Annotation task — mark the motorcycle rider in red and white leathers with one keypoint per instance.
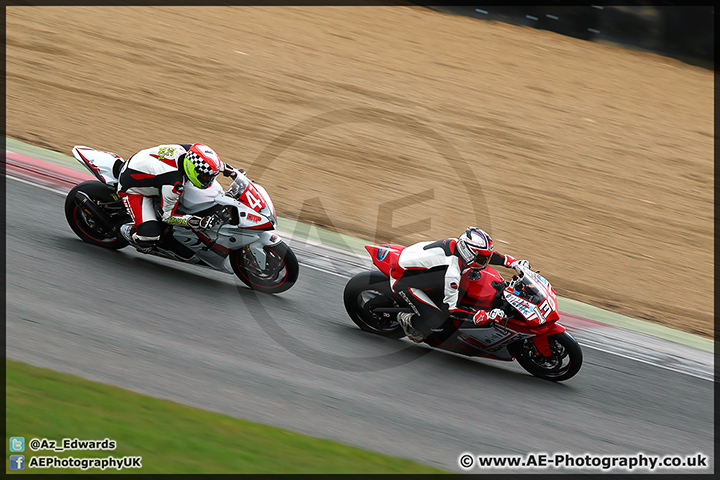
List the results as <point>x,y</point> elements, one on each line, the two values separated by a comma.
<point>163,171</point>
<point>427,265</point>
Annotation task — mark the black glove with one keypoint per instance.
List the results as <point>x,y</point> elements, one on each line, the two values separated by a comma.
<point>232,172</point>
<point>208,222</point>
<point>202,222</point>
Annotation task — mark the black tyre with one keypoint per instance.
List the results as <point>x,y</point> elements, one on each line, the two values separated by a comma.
<point>365,291</point>
<point>85,226</point>
<point>564,363</point>
<point>280,273</point>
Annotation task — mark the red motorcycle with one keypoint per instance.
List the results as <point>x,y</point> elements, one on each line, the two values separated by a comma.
<point>529,334</point>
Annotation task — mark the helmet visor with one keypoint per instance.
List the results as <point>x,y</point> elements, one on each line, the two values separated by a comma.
<point>481,261</point>
<point>206,179</point>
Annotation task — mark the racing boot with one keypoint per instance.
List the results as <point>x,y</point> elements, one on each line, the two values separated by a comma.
<point>128,231</point>
<point>405,321</point>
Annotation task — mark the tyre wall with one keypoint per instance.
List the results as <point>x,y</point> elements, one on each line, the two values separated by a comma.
<point>685,33</point>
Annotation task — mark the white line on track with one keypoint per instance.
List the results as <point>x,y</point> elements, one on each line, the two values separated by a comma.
<point>324,271</point>
<point>61,192</point>
<point>665,367</point>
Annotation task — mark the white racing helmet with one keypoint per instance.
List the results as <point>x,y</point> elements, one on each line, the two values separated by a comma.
<point>475,247</point>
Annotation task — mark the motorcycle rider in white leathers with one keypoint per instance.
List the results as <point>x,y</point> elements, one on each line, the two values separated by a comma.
<point>162,171</point>
<point>428,265</point>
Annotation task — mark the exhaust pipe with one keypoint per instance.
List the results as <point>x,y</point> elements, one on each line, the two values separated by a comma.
<point>98,214</point>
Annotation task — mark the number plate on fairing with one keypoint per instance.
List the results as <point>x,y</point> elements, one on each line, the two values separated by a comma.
<point>252,198</point>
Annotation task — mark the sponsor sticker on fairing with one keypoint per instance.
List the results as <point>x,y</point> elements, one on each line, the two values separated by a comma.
<point>527,309</point>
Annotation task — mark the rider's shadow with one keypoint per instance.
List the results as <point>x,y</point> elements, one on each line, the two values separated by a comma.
<point>469,368</point>
<point>142,264</point>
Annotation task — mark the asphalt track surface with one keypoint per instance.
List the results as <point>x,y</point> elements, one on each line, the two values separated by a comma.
<point>295,360</point>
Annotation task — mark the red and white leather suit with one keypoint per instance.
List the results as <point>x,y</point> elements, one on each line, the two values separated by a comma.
<point>428,265</point>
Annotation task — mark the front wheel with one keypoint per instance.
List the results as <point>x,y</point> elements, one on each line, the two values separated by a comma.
<point>365,292</point>
<point>85,226</point>
<point>564,363</point>
<point>280,273</point>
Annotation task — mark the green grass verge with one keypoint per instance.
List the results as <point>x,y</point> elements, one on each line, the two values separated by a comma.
<point>170,437</point>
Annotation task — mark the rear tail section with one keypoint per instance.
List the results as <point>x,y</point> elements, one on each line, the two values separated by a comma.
<point>104,165</point>
<point>384,256</point>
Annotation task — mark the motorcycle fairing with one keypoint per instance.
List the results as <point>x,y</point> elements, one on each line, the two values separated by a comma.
<point>384,256</point>
<point>99,163</point>
<point>253,203</point>
<point>493,339</point>
<point>541,341</point>
<point>252,198</point>
<point>254,226</point>
<point>255,209</point>
<point>217,251</point>
<point>540,305</point>
<point>548,307</point>
<point>528,310</point>
<point>490,340</point>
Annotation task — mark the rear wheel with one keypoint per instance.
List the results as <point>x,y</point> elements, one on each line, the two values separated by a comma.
<point>85,226</point>
<point>366,291</point>
<point>564,363</point>
<point>280,273</point>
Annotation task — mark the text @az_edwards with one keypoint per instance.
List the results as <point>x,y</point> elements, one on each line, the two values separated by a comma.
<point>39,444</point>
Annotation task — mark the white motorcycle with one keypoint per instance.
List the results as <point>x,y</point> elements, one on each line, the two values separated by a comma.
<point>242,241</point>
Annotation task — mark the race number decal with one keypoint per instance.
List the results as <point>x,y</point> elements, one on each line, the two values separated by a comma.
<point>545,310</point>
<point>252,198</point>
<point>165,152</point>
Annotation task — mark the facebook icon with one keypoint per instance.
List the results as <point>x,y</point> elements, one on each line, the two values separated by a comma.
<point>17,462</point>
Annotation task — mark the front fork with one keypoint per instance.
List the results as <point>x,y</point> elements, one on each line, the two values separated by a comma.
<point>257,247</point>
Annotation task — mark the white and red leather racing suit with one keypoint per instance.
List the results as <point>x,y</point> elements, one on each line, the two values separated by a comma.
<point>426,266</point>
<point>154,172</point>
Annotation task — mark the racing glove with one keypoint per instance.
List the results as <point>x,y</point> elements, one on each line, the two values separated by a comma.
<point>512,262</point>
<point>201,222</point>
<point>232,172</point>
<point>483,317</point>
<point>520,263</point>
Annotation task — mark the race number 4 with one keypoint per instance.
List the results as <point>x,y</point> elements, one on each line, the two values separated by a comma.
<point>253,199</point>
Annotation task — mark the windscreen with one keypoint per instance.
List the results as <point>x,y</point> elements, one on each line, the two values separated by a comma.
<point>530,290</point>
<point>238,186</point>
